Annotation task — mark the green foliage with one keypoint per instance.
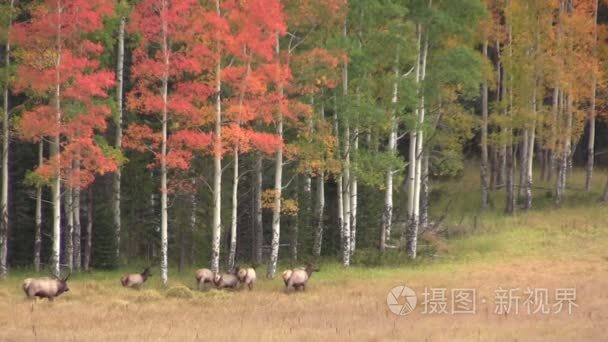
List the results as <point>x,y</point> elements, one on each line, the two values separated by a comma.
<point>370,167</point>
<point>34,179</point>
<point>111,151</point>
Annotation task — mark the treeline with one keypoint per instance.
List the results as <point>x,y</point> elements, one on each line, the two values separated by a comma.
<point>191,132</point>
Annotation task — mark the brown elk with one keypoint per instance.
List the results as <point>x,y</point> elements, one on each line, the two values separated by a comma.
<point>246,276</point>
<point>135,280</point>
<point>226,280</point>
<point>45,287</point>
<point>203,277</point>
<point>299,277</point>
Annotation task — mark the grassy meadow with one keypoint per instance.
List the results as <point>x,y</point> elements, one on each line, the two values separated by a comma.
<point>546,248</point>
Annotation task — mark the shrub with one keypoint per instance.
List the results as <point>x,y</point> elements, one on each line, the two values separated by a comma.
<point>179,291</point>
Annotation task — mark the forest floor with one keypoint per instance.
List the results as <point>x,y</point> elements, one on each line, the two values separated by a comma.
<point>554,250</point>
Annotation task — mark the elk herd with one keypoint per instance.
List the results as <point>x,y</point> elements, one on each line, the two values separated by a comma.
<point>237,278</point>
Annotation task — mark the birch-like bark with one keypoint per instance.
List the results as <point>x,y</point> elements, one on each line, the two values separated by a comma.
<point>278,185</point>
<point>417,149</point>
<point>562,167</point>
<point>118,137</point>
<point>415,220</point>
<point>259,237</point>
<point>346,242</point>
<point>164,257</point>
<point>592,114</point>
<point>69,229</point>
<point>530,153</point>
<point>217,162</point>
<point>5,151</point>
<point>387,217</point>
<point>484,137</point>
<point>276,210</point>
<point>407,234</point>
<point>38,232</point>
<point>88,247</point>
<point>54,154</point>
<point>77,261</point>
<point>235,179</point>
<point>235,188</point>
<point>346,245</point>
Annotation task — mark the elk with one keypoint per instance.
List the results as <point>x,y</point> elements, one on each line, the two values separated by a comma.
<point>135,280</point>
<point>286,275</point>
<point>203,277</point>
<point>299,277</point>
<point>48,288</point>
<point>226,280</point>
<point>246,276</point>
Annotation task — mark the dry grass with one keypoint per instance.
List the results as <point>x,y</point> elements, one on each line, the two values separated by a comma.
<point>354,309</point>
<point>566,248</point>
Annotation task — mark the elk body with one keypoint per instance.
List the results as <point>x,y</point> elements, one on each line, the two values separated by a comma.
<point>203,277</point>
<point>286,275</point>
<point>135,280</point>
<point>45,287</point>
<point>299,277</point>
<point>247,276</point>
<point>226,280</point>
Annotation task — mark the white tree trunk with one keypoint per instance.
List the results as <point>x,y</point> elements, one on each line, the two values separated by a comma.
<point>54,154</point>
<point>118,141</point>
<point>164,257</point>
<point>387,217</point>
<point>416,148</point>
<point>217,162</point>
<point>276,209</point>
<point>530,154</point>
<point>278,186</point>
<point>38,233</point>
<point>5,151</point>
<point>346,194</point>
<point>235,189</point>
<point>346,242</point>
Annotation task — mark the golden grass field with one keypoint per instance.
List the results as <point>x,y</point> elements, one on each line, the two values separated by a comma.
<point>555,249</point>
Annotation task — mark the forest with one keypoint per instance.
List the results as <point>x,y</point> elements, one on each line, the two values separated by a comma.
<point>441,143</point>
<point>183,132</point>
